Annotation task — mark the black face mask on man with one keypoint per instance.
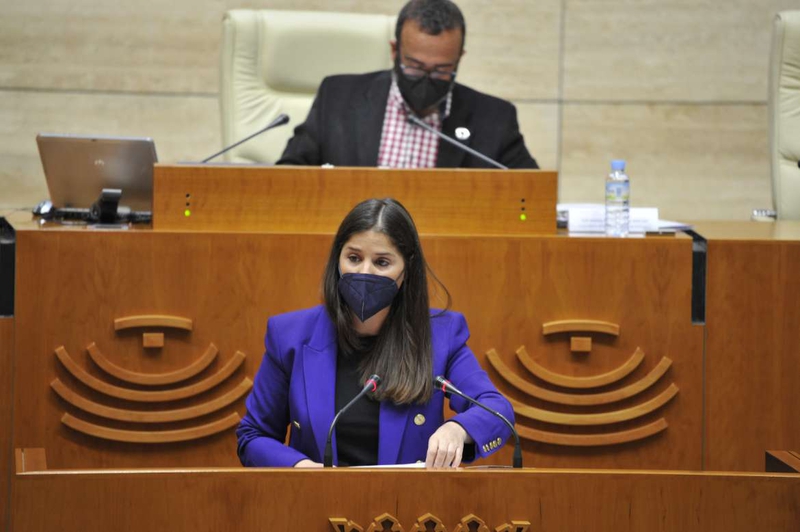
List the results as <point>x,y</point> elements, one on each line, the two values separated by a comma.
<point>423,92</point>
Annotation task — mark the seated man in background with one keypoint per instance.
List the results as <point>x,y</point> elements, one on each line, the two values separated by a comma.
<point>361,120</point>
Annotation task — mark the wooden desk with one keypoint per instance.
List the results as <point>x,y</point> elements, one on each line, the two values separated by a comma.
<point>228,284</point>
<point>258,500</point>
<point>530,281</point>
<point>752,354</point>
<point>315,200</point>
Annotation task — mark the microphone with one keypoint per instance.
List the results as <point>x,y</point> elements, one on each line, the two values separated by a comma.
<point>281,120</point>
<point>447,387</point>
<point>417,122</point>
<point>371,385</point>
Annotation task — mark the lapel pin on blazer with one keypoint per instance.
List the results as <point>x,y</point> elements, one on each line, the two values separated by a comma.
<point>419,420</point>
<point>462,133</point>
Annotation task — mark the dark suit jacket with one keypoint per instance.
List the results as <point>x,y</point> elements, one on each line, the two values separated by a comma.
<point>345,123</point>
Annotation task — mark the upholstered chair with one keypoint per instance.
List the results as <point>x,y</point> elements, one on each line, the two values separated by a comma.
<point>272,62</point>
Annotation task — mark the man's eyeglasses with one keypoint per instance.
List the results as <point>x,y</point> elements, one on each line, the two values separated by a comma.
<point>419,73</point>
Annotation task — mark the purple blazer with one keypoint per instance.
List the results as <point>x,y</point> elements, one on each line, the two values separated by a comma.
<point>296,384</point>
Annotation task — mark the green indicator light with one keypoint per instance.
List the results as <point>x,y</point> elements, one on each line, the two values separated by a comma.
<point>188,213</point>
<point>523,217</point>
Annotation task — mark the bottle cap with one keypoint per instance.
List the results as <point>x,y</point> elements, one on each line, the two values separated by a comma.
<point>618,164</point>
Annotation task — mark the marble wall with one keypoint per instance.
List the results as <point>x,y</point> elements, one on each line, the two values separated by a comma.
<point>676,87</point>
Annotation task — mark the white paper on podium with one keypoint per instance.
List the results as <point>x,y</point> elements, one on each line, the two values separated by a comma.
<point>415,465</point>
<point>589,218</point>
<point>592,219</point>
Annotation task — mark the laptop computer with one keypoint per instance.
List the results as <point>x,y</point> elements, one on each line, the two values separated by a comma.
<point>77,168</point>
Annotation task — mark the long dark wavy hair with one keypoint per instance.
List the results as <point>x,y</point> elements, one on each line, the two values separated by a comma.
<point>402,353</point>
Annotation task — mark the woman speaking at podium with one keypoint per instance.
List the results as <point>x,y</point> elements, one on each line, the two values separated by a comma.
<point>375,321</point>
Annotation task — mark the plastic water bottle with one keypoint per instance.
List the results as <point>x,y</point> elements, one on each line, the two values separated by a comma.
<point>618,194</point>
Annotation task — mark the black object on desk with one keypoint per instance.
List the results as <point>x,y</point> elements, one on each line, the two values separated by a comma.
<point>8,242</point>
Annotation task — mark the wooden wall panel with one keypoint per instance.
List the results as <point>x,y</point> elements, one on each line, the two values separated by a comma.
<point>230,283</point>
<point>669,50</point>
<point>6,380</point>
<point>753,352</point>
<point>305,500</point>
<point>693,162</point>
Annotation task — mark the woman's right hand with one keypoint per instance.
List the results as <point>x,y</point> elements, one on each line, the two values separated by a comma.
<point>308,464</point>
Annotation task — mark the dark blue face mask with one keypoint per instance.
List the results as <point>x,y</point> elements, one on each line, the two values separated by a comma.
<point>367,294</point>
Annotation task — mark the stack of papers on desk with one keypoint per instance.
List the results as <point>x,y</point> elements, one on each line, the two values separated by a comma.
<point>590,218</point>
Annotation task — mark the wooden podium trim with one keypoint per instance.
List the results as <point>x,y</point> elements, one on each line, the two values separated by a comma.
<point>379,524</point>
<point>782,461</point>
<point>514,526</point>
<point>315,200</point>
<point>153,340</point>
<point>30,459</point>
<point>425,523</point>
<point>136,416</point>
<point>593,440</point>
<point>606,327</point>
<point>166,436</point>
<point>153,379</point>
<point>471,523</point>
<point>342,524</point>
<point>282,499</point>
<point>142,396</point>
<point>428,523</point>
<point>560,418</point>
<point>573,399</point>
<point>567,381</point>
<point>152,320</point>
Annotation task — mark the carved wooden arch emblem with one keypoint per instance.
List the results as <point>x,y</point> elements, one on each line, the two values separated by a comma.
<point>142,407</point>
<point>575,392</point>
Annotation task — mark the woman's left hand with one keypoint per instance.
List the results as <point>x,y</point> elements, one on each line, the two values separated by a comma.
<point>446,446</point>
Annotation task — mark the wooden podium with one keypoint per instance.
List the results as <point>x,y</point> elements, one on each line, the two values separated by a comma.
<point>315,200</point>
<point>404,501</point>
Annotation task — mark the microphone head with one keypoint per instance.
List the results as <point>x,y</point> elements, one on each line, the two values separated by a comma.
<point>375,380</point>
<point>440,382</point>
<point>282,118</point>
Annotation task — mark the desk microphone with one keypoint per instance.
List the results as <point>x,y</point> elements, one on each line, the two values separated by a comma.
<point>281,120</point>
<point>371,385</point>
<point>417,122</point>
<point>445,386</point>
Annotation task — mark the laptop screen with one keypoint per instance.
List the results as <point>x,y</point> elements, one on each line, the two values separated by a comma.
<point>77,168</point>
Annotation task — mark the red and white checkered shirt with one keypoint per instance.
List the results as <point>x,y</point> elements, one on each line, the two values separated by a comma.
<point>405,145</point>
